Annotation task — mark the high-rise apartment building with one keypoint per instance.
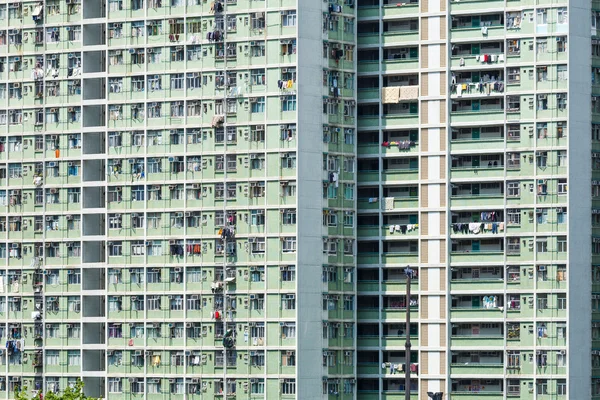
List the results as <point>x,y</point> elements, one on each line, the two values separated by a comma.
<point>492,160</point>
<point>218,199</point>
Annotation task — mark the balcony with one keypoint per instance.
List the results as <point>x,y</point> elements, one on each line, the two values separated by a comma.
<point>475,307</point>
<point>478,194</point>
<point>489,109</point>
<point>477,26</point>
<point>477,166</point>
<point>475,5</point>
<point>468,55</point>
<point>485,278</point>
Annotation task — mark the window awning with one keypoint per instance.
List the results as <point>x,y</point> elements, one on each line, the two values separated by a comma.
<point>37,11</point>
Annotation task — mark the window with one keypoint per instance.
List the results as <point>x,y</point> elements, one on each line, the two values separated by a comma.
<point>257,386</point>
<point>514,359</point>
<point>258,49</point>
<point>542,384</point>
<point>52,357</point>
<point>513,216</point>
<point>257,274</point>
<point>561,44</point>
<point>288,160</point>
<point>561,101</point>
<point>257,77</point>
<point>289,244</point>
<point>258,245</point>
<point>562,15</point>
<point>562,186</point>
<point>514,75</point>
<point>74,277</point>
<point>288,358</point>
<point>542,102</point>
<point>513,245</point>
<point>257,104</point>
<point>153,303</point>
<point>288,18</point>
<point>288,302</point>
<point>561,244</point>
<point>348,303</point>
<point>288,217</point>
<point>288,386</point>
<point>562,72</point>
<point>562,158</point>
<point>542,302</point>
<point>258,302</point>
<point>561,301</point>
<point>288,103</point>
<point>74,357</point>
<point>288,273</point>
<point>514,387</point>
<point>257,217</point>
<point>513,189</point>
<point>542,17</point>
<point>115,385</point>
<point>561,387</point>
<point>542,216</point>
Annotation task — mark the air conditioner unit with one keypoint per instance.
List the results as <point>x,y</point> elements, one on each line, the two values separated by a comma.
<point>69,326</point>
<point>69,217</point>
<point>542,268</point>
<point>188,325</point>
<point>51,164</point>
<point>70,164</point>
<point>16,85</point>
<point>194,297</point>
<point>251,240</point>
<point>188,213</point>
<point>119,189</point>
<point>196,186</point>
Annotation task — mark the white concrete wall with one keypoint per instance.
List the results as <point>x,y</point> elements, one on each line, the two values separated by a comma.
<point>310,158</point>
<point>580,176</point>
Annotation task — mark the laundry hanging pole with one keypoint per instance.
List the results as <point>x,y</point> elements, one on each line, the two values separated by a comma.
<point>408,271</point>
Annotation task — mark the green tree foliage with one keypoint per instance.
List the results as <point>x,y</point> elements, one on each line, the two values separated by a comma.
<point>70,393</point>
